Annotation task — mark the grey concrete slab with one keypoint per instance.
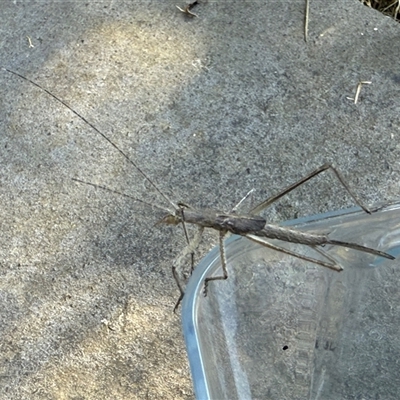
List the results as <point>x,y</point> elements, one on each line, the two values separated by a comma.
<point>209,107</point>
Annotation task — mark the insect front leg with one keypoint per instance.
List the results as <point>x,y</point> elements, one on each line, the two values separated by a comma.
<point>189,249</point>
<point>178,282</point>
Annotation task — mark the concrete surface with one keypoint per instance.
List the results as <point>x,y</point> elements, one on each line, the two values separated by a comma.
<point>209,107</point>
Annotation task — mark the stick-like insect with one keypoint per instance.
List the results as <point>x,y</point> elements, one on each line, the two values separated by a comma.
<point>250,225</point>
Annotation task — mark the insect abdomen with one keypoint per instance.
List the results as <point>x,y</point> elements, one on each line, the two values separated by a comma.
<point>240,224</point>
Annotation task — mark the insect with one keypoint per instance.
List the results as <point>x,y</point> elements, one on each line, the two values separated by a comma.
<point>250,225</point>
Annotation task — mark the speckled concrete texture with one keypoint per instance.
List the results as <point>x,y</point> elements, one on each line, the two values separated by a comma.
<point>209,107</point>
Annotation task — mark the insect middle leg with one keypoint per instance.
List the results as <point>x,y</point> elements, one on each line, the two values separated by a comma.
<point>223,263</point>
<point>234,209</point>
<point>331,263</point>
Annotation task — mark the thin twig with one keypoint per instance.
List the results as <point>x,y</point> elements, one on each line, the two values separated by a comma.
<point>30,42</point>
<point>306,20</point>
<point>187,9</point>
<point>359,89</point>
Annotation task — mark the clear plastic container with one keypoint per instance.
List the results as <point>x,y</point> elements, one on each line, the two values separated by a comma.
<point>282,328</point>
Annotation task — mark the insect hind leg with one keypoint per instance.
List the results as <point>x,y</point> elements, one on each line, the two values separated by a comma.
<point>257,209</point>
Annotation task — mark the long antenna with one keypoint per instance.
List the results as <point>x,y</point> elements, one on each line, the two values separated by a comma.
<point>99,132</point>
<point>120,194</point>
